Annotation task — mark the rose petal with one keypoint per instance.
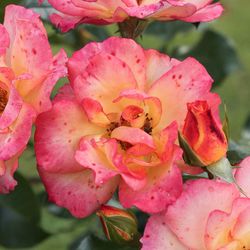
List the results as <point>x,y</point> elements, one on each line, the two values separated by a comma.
<point>164,181</point>
<point>4,40</point>
<point>77,191</point>
<point>242,175</point>
<point>11,110</point>
<point>221,226</point>
<point>158,236</point>
<point>201,196</point>
<point>206,14</point>
<point>102,84</point>
<point>186,82</point>
<point>17,135</point>
<point>100,157</point>
<point>58,135</point>
<point>7,170</point>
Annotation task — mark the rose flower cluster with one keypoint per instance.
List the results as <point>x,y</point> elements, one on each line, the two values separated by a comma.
<point>129,119</point>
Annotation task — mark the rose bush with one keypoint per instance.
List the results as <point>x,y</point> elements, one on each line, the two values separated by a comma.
<point>74,12</point>
<point>28,73</point>
<point>130,120</point>
<point>208,215</point>
<point>116,124</point>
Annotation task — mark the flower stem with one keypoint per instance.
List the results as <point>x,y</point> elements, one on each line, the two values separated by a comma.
<point>132,27</point>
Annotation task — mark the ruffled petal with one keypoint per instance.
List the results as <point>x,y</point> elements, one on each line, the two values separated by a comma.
<point>242,175</point>
<point>241,230</point>
<point>101,157</point>
<point>77,191</point>
<point>64,22</point>
<point>16,12</point>
<point>133,57</point>
<point>94,112</point>
<point>13,139</point>
<point>11,110</point>
<point>188,216</point>
<point>206,14</point>
<point>39,96</point>
<point>163,181</point>
<point>67,7</point>
<point>223,227</point>
<point>30,50</point>
<point>101,83</point>
<point>132,136</point>
<point>168,13</point>
<point>186,82</point>
<point>30,57</point>
<point>162,188</point>
<point>157,64</point>
<point>80,60</point>
<point>7,170</point>
<point>4,41</point>
<point>58,135</point>
<point>158,236</point>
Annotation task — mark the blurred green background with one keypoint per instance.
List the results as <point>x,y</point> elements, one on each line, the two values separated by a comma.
<point>223,45</point>
<point>235,91</point>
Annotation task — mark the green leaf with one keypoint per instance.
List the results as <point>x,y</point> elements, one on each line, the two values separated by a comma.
<point>17,232</point>
<point>168,30</point>
<point>216,52</point>
<point>236,152</point>
<point>91,242</point>
<point>22,200</point>
<point>225,125</point>
<point>19,217</point>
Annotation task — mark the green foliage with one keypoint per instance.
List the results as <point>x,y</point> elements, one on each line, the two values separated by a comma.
<point>19,217</point>
<point>216,53</point>
<point>168,30</point>
<point>241,149</point>
<point>91,242</point>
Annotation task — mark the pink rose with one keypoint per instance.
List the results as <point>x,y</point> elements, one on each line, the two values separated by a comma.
<point>28,73</point>
<point>73,12</point>
<point>209,215</point>
<point>116,124</point>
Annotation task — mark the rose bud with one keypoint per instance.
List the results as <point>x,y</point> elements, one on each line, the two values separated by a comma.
<point>202,137</point>
<point>119,225</point>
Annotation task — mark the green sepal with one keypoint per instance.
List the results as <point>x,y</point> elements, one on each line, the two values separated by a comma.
<point>225,124</point>
<point>190,157</point>
<point>222,169</point>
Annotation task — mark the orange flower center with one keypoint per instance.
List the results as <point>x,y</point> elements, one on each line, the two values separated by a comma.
<point>3,99</point>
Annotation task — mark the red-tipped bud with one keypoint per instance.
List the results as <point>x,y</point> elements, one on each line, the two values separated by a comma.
<point>202,138</point>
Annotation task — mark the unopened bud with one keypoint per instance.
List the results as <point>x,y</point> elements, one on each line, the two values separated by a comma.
<point>202,138</point>
<point>119,225</point>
